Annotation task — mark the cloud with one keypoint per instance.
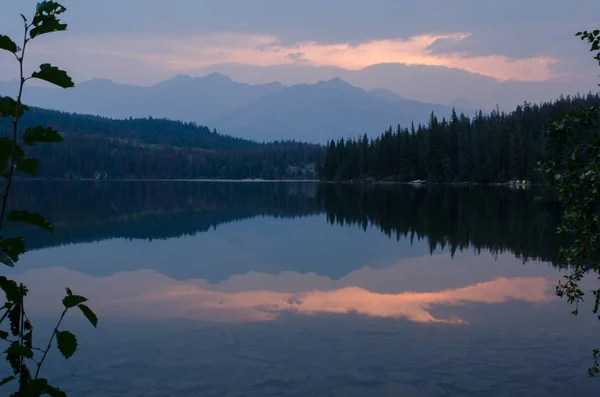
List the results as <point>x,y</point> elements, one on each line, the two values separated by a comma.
<point>531,42</point>
<point>297,57</point>
<point>513,28</point>
<point>186,54</point>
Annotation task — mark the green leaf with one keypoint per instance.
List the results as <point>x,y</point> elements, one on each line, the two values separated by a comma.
<point>7,44</point>
<point>70,301</point>
<point>9,148</point>
<point>3,334</point>
<point>27,165</point>
<point>19,350</point>
<point>6,145</point>
<point>29,217</point>
<point>55,392</point>
<point>41,134</point>
<point>89,314</point>
<point>69,292</point>
<point>48,26</point>
<point>14,362</point>
<point>5,259</point>
<point>48,8</point>
<point>14,317</point>
<point>67,343</point>
<point>13,247</point>
<point>45,19</point>
<point>6,151</point>
<point>35,387</point>
<point>6,380</point>
<point>10,288</point>
<point>53,75</point>
<point>8,107</point>
<point>28,339</point>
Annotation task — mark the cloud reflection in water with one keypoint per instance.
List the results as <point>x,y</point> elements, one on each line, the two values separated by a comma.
<point>259,297</point>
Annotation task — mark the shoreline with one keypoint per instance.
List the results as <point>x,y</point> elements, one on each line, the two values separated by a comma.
<point>169,180</point>
<point>208,180</point>
<point>463,184</point>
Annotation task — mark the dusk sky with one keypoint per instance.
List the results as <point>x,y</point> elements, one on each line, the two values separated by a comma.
<point>486,51</point>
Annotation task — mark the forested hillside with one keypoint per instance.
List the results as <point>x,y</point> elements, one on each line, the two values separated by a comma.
<point>97,147</point>
<point>487,148</point>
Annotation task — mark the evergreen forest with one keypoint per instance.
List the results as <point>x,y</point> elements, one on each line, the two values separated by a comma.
<point>102,148</point>
<point>486,148</point>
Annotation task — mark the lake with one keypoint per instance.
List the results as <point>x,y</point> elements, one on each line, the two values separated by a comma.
<point>300,289</point>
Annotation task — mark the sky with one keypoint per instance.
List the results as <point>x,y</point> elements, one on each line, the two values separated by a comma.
<point>436,50</point>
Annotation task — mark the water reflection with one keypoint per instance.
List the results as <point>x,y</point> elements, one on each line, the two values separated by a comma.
<point>458,218</point>
<point>263,297</point>
<point>224,289</point>
<point>453,217</point>
<point>88,211</point>
<point>260,268</point>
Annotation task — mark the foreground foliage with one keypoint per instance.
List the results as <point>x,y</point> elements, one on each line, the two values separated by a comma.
<point>25,360</point>
<point>574,172</point>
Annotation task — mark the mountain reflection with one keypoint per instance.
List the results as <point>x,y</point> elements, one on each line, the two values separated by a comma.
<point>457,218</point>
<point>87,211</point>
<point>261,297</point>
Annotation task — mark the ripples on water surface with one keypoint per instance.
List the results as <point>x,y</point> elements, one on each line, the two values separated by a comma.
<point>233,289</point>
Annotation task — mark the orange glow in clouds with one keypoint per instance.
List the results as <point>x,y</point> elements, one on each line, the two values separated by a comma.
<point>183,55</point>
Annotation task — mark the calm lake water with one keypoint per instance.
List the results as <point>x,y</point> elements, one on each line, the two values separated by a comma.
<point>296,289</point>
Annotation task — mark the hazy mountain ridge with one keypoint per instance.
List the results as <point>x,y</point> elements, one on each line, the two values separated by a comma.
<point>263,112</point>
<point>180,98</point>
<point>325,110</point>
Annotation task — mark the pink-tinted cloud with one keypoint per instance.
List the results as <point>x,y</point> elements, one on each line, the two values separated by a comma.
<point>185,54</point>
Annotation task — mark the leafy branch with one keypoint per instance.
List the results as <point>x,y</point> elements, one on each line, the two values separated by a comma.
<point>20,334</point>
<point>574,172</point>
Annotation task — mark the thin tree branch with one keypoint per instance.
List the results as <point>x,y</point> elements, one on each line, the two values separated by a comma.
<point>15,128</point>
<point>39,365</point>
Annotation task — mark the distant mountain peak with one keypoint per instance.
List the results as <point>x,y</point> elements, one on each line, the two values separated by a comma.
<point>98,83</point>
<point>335,82</point>
<point>182,79</point>
<point>217,77</point>
<point>179,79</point>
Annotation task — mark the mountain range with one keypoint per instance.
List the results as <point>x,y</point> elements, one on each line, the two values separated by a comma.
<point>317,112</point>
